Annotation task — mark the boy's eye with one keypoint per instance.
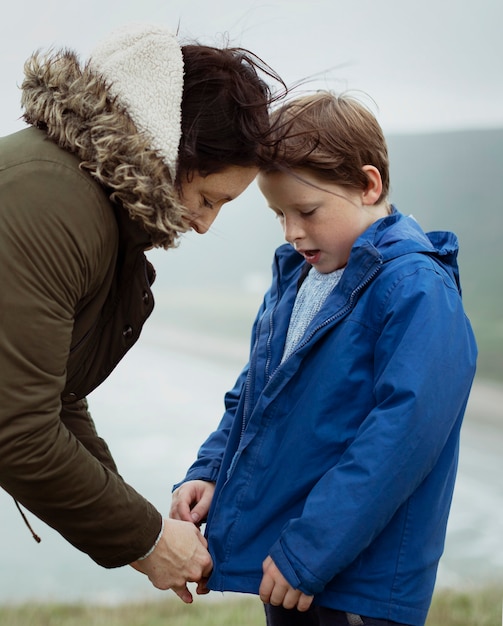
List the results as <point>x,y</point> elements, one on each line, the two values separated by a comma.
<point>207,203</point>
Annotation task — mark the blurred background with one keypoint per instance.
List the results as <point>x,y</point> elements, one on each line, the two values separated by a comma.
<point>432,74</point>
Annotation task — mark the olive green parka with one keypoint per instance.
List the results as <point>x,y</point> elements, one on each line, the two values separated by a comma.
<point>81,198</point>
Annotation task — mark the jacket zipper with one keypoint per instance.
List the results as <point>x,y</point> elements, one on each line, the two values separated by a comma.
<point>250,377</point>
<point>342,311</point>
<point>329,320</point>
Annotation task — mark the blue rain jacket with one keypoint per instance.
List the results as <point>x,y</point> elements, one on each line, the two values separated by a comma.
<point>340,462</point>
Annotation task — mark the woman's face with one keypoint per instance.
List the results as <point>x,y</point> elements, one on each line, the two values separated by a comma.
<point>204,196</point>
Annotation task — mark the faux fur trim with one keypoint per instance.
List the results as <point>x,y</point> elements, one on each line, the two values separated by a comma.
<point>143,67</point>
<point>73,105</point>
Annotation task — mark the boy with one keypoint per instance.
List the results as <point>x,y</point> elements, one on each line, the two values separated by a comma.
<point>331,474</point>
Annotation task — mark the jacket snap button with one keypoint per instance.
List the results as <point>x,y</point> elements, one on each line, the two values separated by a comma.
<point>145,297</point>
<point>127,333</point>
<point>69,397</point>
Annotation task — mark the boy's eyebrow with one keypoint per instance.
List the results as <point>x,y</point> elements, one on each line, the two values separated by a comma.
<point>297,206</point>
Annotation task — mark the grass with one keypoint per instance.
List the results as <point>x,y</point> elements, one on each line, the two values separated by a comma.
<point>464,608</point>
<point>478,607</point>
<point>247,612</point>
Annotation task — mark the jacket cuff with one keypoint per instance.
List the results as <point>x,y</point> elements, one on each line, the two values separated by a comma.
<point>209,475</point>
<point>147,554</point>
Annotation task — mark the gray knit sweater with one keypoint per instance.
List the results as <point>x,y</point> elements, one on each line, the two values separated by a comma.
<point>312,294</point>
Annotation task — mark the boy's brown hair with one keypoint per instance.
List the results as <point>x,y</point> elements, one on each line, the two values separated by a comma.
<point>333,136</point>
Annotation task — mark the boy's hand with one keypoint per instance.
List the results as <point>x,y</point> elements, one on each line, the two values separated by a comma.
<point>191,501</point>
<point>275,590</point>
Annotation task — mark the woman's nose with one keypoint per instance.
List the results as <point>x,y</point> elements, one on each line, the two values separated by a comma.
<point>202,223</point>
<point>199,227</point>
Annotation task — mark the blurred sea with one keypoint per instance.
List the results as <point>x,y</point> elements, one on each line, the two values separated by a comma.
<point>155,410</point>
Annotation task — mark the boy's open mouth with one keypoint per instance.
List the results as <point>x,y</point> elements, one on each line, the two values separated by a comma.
<point>312,256</point>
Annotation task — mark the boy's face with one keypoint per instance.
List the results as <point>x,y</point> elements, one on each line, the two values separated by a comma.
<point>321,220</point>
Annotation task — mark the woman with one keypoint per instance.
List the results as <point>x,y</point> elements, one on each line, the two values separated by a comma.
<point>143,142</point>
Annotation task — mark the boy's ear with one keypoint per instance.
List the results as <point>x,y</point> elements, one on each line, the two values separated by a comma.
<point>374,187</point>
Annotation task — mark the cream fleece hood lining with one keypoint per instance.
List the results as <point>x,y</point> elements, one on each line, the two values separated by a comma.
<point>74,105</point>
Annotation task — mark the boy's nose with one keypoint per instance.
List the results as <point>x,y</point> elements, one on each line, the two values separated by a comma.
<point>292,230</point>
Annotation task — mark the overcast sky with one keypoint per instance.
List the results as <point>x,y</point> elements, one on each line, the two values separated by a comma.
<point>429,65</point>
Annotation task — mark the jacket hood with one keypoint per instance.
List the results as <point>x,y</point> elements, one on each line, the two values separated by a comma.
<point>398,234</point>
<point>73,105</point>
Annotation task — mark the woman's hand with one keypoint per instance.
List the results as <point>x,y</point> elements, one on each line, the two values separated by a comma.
<point>191,501</point>
<point>276,590</point>
<point>181,556</point>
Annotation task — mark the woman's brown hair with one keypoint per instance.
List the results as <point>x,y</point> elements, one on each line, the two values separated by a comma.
<point>225,109</point>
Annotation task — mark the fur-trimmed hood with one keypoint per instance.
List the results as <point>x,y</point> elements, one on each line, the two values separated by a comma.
<point>74,106</point>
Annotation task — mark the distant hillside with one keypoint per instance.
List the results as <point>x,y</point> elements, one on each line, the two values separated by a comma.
<point>454,181</point>
<point>448,181</point>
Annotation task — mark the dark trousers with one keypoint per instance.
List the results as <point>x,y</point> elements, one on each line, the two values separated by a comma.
<point>319,616</point>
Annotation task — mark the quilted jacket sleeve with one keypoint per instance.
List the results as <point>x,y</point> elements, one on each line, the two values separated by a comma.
<point>77,419</point>
<point>57,238</point>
